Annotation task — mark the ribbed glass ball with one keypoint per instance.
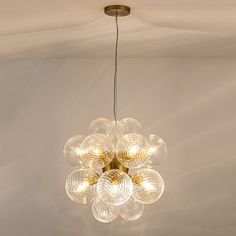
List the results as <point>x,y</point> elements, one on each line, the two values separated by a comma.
<point>132,150</point>
<point>131,210</point>
<point>157,150</point>
<point>114,187</point>
<point>101,126</point>
<point>79,185</point>
<point>116,130</point>
<point>129,125</point>
<point>72,150</point>
<point>148,186</point>
<point>97,151</point>
<point>103,212</point>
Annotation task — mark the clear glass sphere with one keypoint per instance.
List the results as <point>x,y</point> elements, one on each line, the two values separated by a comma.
<point>132,150</point>
<point>128,125</point>
<point>97,151</point>
<point>157,150</point>
<point>116,130</point>
<point>131,210</point>
<point>103,212</point>
<point>80,187</point>
<point>72,150</point>
<point>148,165</point>
<point>114,187</point>
<point>101,126</point>
<point>148,186</point>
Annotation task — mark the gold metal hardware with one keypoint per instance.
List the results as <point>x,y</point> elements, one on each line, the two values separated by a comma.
<point>137,179</point>
<point>93,180</point>
<point>117,10</point>
<point>115,164</point>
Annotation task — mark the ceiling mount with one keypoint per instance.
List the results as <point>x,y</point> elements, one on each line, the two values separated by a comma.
<point>117,10</point>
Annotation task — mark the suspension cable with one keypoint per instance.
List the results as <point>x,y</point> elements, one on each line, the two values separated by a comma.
<point>115,72</point>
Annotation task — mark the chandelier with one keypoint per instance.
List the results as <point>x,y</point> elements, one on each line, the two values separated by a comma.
<point>113,165</point>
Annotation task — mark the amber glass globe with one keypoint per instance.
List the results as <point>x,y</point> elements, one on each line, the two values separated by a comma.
<point>114,187</point>
<point>103,212</point>
<point>148,186</point>
<point>80,186</point>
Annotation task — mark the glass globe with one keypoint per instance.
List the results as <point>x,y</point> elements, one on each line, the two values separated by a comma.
<point>116,130</point>
<point>131,210</point>
<point>114,187</point>
<point>132,150</point>
<point>157,150</point>
<point>128,125</point>
<point>101,126</point>
<point>148,186</point>
<point>80,186</point>
<point>97,151</point>
<point>103,212</point>
<point>72,150</point>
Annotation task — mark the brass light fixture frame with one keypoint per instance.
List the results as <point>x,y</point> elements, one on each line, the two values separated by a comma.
<point>115,164</point>
<point>117,10</point>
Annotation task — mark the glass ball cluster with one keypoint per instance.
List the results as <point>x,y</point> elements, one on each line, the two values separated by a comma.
<point>115,148</point>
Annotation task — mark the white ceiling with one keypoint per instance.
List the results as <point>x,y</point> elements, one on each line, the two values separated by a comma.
<point>79,28</point>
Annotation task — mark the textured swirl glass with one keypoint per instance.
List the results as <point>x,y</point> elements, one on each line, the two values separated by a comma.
<point>114,187</point>
<point>97,151</point>
<point>80,187</point>
<point>131,210</point>
<point>103,212</point>
<point>148,186</point>
<point>157,150</point>
<point>72,150</point>
<point>116,130</point>
<point>128,125</point>
<point>101,126</point>
<point>132,150</point>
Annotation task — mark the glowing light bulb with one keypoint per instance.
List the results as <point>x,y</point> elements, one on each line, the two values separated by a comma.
<point>82,187</point>
<point>114,188</point>
<point>152,149</point>
<point>148,187</point>
<point>133,150</point>
<point>97,152</point>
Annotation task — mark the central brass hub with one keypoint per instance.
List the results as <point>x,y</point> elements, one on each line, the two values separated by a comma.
<point>115,164</point>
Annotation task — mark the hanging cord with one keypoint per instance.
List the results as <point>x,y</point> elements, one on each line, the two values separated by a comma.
<point>115,73</point>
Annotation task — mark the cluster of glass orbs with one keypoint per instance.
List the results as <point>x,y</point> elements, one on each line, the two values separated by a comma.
<point>115,192</point>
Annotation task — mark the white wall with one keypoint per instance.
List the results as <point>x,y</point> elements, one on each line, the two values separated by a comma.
<point>190,103</point>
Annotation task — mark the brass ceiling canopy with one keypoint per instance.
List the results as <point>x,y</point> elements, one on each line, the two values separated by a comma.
<point>117,10</point>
